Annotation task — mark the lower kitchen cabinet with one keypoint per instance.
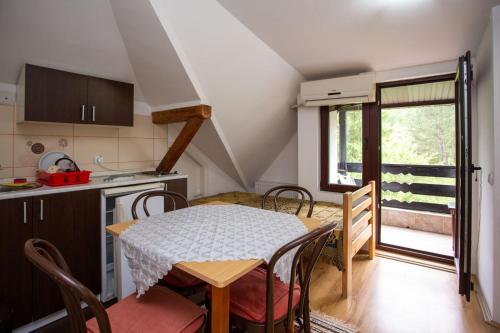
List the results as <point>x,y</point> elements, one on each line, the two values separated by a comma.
<point>71,221</point>
<point>16,291</point>
<point>179,186</point>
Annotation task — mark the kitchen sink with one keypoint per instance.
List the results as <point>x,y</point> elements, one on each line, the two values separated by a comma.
<point>29,186</point>
<point>116,178</point>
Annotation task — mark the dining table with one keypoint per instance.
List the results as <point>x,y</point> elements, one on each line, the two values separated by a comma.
<point>218,274</point>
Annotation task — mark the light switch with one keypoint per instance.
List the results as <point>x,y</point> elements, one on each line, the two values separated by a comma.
<point>491,178</point>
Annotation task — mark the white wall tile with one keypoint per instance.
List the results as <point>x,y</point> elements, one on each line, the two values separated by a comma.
<point>136,149</point>
<point>143,128</point>
<point>88,147</point>
<point>24,157</point>
<point>96,131</point>
<point>6,119</point>
<point>6,151</point>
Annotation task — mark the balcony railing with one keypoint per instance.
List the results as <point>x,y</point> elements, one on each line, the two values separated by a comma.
<point>441,171</point>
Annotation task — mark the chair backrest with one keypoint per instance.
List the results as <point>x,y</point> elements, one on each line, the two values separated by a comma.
<point>303,192</point>
<point>317,239</point>
<point>49,260</point>
<point>173,197</point>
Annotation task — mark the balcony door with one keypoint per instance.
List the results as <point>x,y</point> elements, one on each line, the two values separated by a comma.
<point>426,169</point>
<point>417,178</point>
<point>465,168</point>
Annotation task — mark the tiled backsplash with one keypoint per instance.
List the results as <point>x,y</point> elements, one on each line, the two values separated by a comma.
<point>138,147</point>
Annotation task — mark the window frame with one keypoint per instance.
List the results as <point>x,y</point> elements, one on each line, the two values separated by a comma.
<point>325,185</point>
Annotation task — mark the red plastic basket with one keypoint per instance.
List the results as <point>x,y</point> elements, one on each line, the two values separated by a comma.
<point>64,178</point>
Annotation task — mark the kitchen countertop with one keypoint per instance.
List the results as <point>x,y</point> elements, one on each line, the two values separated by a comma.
<point>95,183</point>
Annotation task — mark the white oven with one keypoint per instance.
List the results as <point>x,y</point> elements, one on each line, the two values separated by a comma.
<point>116,204</point>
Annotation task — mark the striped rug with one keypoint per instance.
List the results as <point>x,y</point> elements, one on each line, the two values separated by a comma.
<point>322,323</point>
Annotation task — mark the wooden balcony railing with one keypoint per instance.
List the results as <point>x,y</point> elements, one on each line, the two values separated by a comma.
<point>441,171</point>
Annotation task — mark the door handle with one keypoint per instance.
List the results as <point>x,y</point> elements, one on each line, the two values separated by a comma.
<point>83,112</point>
<point>93,113</point>
<point>25,213</point>
<point>41,210</point>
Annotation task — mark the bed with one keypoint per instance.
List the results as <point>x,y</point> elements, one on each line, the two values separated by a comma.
<point>359,213</point>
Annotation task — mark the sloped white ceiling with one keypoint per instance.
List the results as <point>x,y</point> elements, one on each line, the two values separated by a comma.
<point>248,85</point>
<point>322,38</point>
<point>79,36</point>
<point>156,65</point>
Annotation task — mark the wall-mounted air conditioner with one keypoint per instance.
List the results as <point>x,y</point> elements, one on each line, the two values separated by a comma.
<point>343,90</point>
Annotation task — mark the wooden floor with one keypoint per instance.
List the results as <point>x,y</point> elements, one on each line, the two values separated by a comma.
<point>394,296</point>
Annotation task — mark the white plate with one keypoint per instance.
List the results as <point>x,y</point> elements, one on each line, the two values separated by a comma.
<point>50,158</point>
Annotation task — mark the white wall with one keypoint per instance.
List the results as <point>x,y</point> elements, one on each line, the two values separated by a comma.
<point>248,85</point>
<point>486,152</point>
<point>284,167</point>
<point>438,68</point>
<point>496,144</point>
<point>205,177</point>
<point>488,109</point>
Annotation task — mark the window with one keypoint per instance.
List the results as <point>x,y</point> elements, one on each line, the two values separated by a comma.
<point>341,147</point>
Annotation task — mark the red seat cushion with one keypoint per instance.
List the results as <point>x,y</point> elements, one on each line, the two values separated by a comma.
<point>248,296</point>
<point>158,310</point>
<point>178,278</point>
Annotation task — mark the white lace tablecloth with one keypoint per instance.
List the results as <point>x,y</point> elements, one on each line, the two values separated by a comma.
<point>207,233</point>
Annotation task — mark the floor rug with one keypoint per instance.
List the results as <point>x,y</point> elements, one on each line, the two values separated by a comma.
<point>322,323</point>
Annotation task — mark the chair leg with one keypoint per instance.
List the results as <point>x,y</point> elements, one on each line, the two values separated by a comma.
<point>306,315</point>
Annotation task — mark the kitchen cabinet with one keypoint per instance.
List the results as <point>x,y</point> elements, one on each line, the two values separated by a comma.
<point>51,95</point>
<point>110,102</point>
<point>179,186</point>
<point>71,221</point>
<point>16,271</point>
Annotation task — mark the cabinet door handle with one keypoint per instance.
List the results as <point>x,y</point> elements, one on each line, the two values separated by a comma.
<point>83,112</point>
<point>41,210</point>
<point>93,113</point>
<point>25,213</point>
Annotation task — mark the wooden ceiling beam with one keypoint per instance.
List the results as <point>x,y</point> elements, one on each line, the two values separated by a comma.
<point>201,111</point>
<point>194,116</point>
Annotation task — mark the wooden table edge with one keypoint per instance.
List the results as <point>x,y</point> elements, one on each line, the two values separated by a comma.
<point>254,264</point>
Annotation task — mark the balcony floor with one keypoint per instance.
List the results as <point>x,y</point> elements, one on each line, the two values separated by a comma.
<point>418,240</point>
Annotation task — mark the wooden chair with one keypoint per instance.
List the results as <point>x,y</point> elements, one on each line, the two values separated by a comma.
<point>159,310</point>
<point>176,279</point>
<point>261,302</point>
<point>170,197</point>
<point>290,188</point>
<point>358,227</point>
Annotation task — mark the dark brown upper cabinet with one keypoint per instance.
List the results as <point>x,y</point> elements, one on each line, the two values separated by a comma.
<point>51,95</point>
<point>110,102</point>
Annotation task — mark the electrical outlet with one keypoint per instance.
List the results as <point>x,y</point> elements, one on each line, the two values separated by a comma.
<point>7,98</point>
<point>98,159</point>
